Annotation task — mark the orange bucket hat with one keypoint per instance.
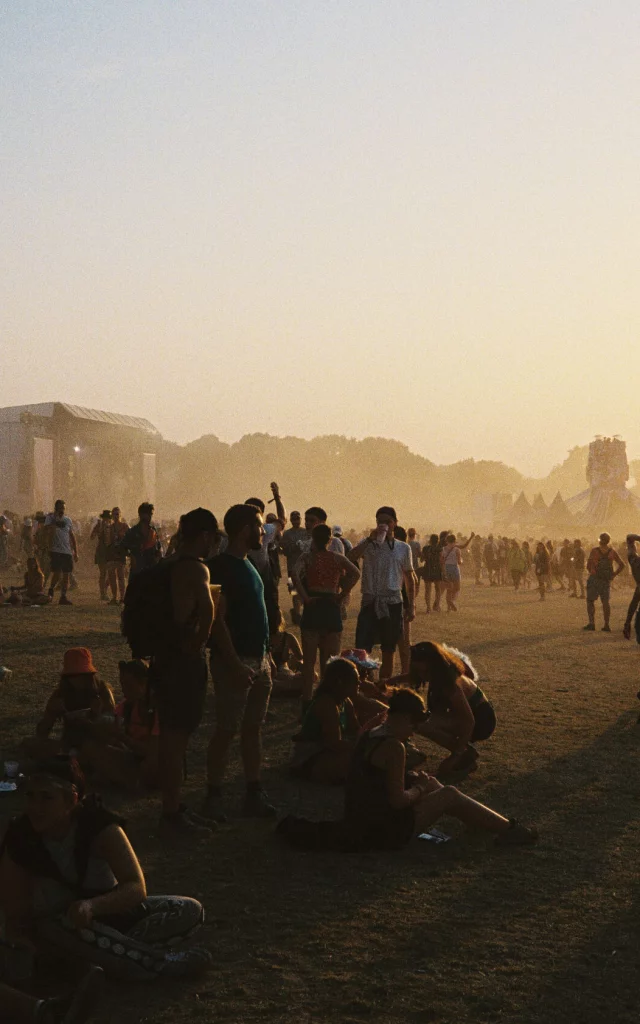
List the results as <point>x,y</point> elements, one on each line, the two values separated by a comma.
<point>78,661</point>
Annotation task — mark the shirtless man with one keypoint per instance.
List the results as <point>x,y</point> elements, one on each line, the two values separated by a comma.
<point>179,671</point>
<point>600,567</point>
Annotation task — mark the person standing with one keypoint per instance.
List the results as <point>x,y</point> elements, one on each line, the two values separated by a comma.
<point>240,663</point>
<point>576,571</point>
<point>386,564</point>
<point>476,554</point>
<point>416,554</point>
<point>346,543</point>
<point>313,517</point>
<point>603,565</point>
<point>293,543</point>
<point>103,533</point>
<point>63,550</point>
<point>5,531</point>
<point>451,560</point>
<point>565,557</point>
<point>491,560</point>
<point>324,580</point>
<point>271,533</point>
<point>517,564</point>
<point>178,676</point>
<point>142,541</point>
<point>116,557</point>
<point>542,567</point>
<point>634,564</point>
<point>26,537</point>
<point>432,573</point>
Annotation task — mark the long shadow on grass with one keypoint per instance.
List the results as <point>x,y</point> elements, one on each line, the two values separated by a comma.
<point>35,644</point>
<point>302,900</point>
<point>587,798</point>
<point>600,981</point>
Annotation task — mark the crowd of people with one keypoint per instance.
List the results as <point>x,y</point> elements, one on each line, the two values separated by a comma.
<point>199,601</point>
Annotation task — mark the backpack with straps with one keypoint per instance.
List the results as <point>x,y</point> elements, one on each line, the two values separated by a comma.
<point>147,615</point>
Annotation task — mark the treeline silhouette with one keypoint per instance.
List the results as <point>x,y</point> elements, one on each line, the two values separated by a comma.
<point>349,477</point>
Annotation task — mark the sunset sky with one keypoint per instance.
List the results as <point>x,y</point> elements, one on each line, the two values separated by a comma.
<point>408,218</point>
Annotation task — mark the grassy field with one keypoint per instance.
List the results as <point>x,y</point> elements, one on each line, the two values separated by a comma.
<point>463,933</point>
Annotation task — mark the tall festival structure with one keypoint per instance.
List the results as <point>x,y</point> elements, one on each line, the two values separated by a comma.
<point>607,504</point>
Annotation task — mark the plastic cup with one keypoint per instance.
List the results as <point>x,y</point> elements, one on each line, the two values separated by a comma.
<point>11,769</point>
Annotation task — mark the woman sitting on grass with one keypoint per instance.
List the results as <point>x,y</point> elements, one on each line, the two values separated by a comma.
<point>128,756</point>
<point>323,747</point>
<point>70,882</point>
<point>286,655</point>
<point>82,702</point>
<point>460,714</point>
<point>381,812</point>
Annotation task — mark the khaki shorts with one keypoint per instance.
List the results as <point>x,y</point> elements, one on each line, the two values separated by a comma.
<point>237,707</point>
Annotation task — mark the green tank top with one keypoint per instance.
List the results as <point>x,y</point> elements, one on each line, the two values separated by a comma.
<point>311,731</point>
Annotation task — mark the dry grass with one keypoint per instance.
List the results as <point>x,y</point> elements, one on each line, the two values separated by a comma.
<point>464,933</point>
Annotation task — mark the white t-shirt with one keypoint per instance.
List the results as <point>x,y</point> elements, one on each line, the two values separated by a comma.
<point>61,539</point>
<point>384,566</point>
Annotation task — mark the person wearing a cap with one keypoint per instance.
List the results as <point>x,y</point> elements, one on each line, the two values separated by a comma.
<point>382,812</point>
<point>103,533</point>
<point>70,881</point>
<point>387,565</point>
<point>346,543</point>
<point>178,676</point>
<point>81,702</point>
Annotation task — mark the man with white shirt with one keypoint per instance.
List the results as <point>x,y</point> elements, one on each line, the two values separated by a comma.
<point>260,558</point>
<point>387,565</point>
<point>63,550</point>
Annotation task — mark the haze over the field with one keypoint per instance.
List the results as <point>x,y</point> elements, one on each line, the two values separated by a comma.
<point>410,219</point>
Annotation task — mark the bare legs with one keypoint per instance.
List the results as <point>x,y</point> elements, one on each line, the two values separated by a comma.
<point>449,800</point>
<point>325,644</point>
<point>172,748</point>
<point>404,646</point>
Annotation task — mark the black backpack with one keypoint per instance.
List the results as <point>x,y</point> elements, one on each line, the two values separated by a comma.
<point>147,615</point>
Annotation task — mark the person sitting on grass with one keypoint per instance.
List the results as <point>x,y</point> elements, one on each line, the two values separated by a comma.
<point>459,712</point>
<point>81,701</point>
<point>323,747</point>
<point>286,654</point>
<point>32,592</point>
<point>70,882</point>
<point>18,1007</point>
<point>129,755</point>
<point>369,701</point>
<point>381,812</point>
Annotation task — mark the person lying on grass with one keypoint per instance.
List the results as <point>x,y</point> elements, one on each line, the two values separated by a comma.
<point>459,712</point>
<point>81,702</point>
<point>70,882</point>
<point>384,813</point>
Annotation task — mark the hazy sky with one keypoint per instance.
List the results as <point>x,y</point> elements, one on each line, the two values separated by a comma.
<point>406,218</point>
